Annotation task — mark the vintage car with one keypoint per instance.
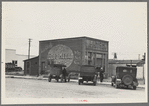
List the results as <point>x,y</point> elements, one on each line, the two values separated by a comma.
<point>125,77</point>
<point>55,72</point>
<point>87,73</point>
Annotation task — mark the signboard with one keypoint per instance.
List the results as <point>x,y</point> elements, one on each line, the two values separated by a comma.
<point>98,56</point>
<point>96,45</point>
<point>61,54</point>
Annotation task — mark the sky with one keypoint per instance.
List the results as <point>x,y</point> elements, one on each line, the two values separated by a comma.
<point>123,24</point>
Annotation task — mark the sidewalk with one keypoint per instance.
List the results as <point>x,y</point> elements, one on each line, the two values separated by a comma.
<point>105,81</point>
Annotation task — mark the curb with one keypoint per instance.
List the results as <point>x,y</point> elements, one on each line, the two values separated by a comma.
<point>41,78</point>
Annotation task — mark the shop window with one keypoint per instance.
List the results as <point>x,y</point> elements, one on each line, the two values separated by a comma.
<point>89,58</point>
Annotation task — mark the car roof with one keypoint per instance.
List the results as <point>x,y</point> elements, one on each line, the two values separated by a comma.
<point>125,67</point>
<point>87,66</point>
<point>59,65</point>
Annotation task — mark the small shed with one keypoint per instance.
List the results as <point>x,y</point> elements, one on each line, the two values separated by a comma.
<point>31,66</point>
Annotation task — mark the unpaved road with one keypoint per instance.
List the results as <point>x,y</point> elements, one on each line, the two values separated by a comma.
<point>29,88</point>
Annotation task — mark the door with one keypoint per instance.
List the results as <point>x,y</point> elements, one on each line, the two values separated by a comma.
<point>27,67</point>
<point>42,67</point>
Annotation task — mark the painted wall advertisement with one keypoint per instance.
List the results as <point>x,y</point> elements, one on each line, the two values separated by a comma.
<point>62,54</point>
<point>96,45</point>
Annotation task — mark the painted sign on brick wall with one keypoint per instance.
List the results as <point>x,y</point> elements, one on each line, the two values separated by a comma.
<point>96,45</point>
<point>61,54</point>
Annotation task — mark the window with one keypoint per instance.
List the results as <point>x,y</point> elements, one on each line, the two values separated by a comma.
<point>14,62</point>
<point>125,70</point>
<point>89,58</point>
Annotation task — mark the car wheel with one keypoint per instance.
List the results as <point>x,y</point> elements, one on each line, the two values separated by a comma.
<point>94,83</point>
<point>79,82</point>
<point>116,86</point>
<point>49,79</point>
<point>61,79</point>
<point>68,79</point>
<point>134,87</point>
<point>127,79</point>
<point>82,81</point>
<point>57,79</point>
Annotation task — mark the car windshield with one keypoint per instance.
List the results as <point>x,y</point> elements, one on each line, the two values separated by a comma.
<point>128,71</point>
<point>87,69</point>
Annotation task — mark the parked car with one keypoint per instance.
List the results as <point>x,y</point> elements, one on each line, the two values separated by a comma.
<point>125,77</point>
<point>87,73</point>
<point>55,72</point>
<point>18,69</point>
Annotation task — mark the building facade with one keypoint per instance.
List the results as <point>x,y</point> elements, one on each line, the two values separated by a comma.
<point>11,57</point>
<point>31,66</point>
<point>115,63</point>
<point>73,52</point>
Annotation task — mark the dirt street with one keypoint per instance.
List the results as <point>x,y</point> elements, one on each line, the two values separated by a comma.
<point>29,88</point>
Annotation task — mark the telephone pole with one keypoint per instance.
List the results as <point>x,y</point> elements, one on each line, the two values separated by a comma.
<point>29,48</point>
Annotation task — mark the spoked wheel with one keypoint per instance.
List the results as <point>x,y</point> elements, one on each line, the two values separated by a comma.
<point>49,78</point>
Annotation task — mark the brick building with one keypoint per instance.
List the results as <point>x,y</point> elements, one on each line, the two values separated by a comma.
<point>73,52</point>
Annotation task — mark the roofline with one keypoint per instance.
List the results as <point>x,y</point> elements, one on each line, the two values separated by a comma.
<point>119,61</point>
<point>25,55</point>
<point>31,58</point>
<point>11,49</point>
<point>125,67</point>
<point>73,38</point>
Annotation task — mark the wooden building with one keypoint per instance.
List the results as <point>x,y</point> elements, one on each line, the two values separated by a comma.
<point>31,66</point>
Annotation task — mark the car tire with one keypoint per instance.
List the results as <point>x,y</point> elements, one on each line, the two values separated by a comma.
<point>57,80</point>
<point>61,79</point>
<point>49,79</point>
<point>116,86</point>
<point>127,79</point>
<point>94,83</point>
<point>68,79</point>
<point>82,81</point>
<point>79,82</point>
<point>134,87</point>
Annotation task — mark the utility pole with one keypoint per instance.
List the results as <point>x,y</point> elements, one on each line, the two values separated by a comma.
<point>29,49</point>
<point>138,56</point>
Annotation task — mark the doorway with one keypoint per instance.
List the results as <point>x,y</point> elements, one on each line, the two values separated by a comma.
<point>27,68</point>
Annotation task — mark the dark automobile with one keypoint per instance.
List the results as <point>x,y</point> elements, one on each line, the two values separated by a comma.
<point>18,69</point>
<point>125,77</point>
<point>55,72</point>
<point>87,73</point>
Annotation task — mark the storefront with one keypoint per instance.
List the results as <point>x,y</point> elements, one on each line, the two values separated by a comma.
<point>73,52</point>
